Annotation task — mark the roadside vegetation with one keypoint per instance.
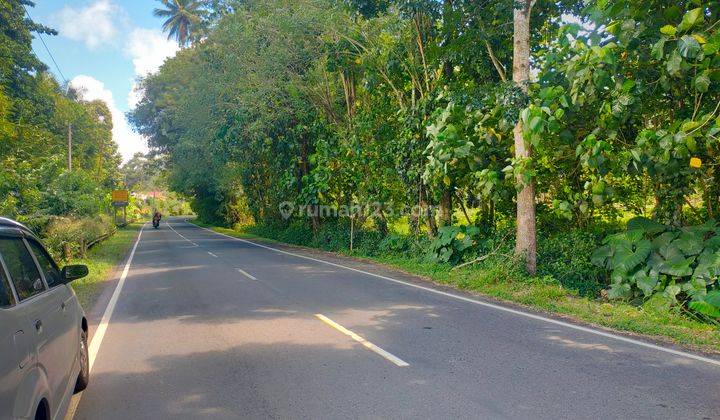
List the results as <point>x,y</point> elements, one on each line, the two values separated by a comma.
<point>65,198</point>
<point>574,170</point>
<point>102,259</point>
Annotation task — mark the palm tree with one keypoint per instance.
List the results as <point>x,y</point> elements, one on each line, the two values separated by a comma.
<point>183,17</point>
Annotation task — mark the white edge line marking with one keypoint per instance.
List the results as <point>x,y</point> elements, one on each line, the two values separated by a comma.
<point>212,254</point>
<point>102,327</point>
<point>372,347</point>
<point>246,274</point>
<point>490,305</point>
<point>180,234</point>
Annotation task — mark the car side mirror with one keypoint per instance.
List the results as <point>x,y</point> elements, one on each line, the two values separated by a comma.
<point>74,272</point>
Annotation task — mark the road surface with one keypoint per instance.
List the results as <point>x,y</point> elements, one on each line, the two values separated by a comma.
<point>206,326</point>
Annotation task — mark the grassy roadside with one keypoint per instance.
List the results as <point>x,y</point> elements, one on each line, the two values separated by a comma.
<point>101,260</point>
<point>503,281</point>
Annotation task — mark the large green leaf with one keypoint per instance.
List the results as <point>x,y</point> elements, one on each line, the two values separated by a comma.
<point>619,291</point>
<point>690,243</point>
<point>673,63</point>
<point>671,251</point>
<point>713,298</point>
<point>701,83</point>
<point>708,267</point>
<point>690,19</point>
<point>643,223</point>
<point>645,282</point>
<point>705,308</point>
<point>694,287</point>
<point>672,291</point>
<point>629,255</point>
<point>689,47</point>
<point>535,124</point>
<point>708,304</point>
<point>655,262</point>
<point>601,255</point>
<point>664,239</point>
<point>678,267</point>
<point>713,242</point>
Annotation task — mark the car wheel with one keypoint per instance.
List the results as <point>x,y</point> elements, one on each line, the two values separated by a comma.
<point>84,376</point>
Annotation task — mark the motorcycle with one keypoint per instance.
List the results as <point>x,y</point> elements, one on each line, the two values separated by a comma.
<point>156,223</point>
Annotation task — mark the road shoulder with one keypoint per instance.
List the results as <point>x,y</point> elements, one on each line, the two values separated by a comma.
<point>98,301</point>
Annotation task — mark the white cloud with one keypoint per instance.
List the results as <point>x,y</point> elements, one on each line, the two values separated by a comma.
<point>103,23</point>
<point>128,141</point>
<point>148,49</point>
<point>95,24</point>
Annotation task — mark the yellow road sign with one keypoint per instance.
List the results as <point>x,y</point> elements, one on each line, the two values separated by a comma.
<point>120,196</point>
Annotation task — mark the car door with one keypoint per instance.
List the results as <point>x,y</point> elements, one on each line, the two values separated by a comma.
<point>16,351</point>
<point>63,316</point>
<point>39,309</point>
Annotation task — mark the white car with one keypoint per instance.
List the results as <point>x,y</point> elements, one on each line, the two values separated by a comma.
<point>43,329</point>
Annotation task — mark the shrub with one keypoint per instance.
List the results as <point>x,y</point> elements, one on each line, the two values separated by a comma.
<point>38,224</point>
<point>566,256</point>
<point>451,243</point>
<point>395,244</point>
<point>367,241</point>
<point>66,235</point>
<point>333,235</point>
<point>73,193</point>
<point>682,264</point>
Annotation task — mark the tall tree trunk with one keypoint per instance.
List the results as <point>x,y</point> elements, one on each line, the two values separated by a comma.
<point>381,221</point>
<point>526,242</point>
<point>429,214</point>
<point>348,81</point>
<point>446,208</point>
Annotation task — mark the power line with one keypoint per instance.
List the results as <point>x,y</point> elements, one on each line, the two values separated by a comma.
<point>67,85</point>
<point>46,48</point>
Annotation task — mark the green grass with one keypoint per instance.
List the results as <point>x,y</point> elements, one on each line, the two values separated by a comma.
<point>101,260</point>
<point>504,281</point>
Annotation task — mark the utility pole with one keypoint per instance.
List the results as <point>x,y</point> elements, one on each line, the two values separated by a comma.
<point>69,147</point>
<point>102,144</point>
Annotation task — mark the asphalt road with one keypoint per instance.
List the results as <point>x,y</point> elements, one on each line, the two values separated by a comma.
<point>206,326</point>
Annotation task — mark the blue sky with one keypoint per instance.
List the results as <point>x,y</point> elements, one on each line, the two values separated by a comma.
<point>103,46</point>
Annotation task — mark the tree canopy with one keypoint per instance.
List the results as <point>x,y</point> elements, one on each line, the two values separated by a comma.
<point>411,104</point>
<point>35,114</point>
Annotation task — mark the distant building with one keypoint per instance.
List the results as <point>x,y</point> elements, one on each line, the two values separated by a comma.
<point>145,195</point>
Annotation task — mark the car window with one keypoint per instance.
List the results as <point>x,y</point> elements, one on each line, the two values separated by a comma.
<point>21,267</point>
<point>6,298</point>
<point>52,274</point>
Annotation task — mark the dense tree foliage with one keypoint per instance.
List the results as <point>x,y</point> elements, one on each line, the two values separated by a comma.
<point>35,115</point>
<point>399,105</point>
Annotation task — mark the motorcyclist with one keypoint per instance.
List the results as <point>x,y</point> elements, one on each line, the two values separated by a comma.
<point>156,218</point>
